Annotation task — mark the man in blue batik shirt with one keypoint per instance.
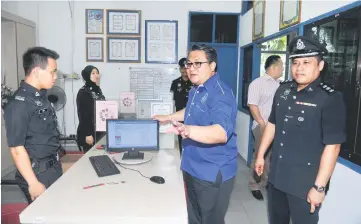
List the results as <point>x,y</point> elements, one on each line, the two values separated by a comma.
<point>209,159</point>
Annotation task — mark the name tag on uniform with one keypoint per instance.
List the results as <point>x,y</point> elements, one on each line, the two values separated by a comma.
<point>306,104</point>
<point>21,98</point>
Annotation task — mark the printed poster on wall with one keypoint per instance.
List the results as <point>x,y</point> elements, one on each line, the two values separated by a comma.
<point>104,110</point>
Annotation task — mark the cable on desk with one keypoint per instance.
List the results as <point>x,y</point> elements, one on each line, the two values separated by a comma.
<point>118,163</point>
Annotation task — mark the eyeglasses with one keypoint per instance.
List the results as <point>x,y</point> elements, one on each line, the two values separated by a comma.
<point>197,64</point>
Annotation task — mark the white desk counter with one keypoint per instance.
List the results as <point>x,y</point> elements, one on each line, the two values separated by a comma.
<point>136,200</point>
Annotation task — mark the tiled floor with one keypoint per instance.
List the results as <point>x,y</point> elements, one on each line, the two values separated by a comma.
<point>243,207</point>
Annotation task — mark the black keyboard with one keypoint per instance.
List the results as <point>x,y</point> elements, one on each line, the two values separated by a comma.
<point>103,165</point>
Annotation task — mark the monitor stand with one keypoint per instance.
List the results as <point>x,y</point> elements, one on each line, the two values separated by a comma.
<point>133,155</point>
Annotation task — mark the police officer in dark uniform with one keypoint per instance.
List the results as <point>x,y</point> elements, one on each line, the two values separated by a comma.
<point>308,126</point>
<point>85,101</point>
<point>180,88</point>
<point>31,125</point>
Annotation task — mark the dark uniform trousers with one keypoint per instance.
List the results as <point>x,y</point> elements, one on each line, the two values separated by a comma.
<point>283,206</point>
<point>207,202</point>
<point>47,171</point>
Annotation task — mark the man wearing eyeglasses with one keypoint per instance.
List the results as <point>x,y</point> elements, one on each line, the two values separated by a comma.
<point>180,88</point>
<point>209,160</point>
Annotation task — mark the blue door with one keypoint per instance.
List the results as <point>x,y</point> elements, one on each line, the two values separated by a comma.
<point>227,65</point>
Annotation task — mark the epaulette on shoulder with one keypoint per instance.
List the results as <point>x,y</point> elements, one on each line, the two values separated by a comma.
<point>286,81</point>
<point>327,88</point>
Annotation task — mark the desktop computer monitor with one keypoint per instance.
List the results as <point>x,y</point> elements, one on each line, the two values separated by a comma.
<point>132,137</point>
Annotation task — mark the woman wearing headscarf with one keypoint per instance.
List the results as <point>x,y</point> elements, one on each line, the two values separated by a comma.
<point>85,101</point>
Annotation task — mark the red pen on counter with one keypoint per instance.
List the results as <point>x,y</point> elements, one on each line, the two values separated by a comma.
<point>96,185</point>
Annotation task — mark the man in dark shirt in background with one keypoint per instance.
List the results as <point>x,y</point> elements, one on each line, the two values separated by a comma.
<point>180,88</point>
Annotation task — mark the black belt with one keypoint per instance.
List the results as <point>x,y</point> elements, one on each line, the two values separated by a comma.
<point>41,165</point>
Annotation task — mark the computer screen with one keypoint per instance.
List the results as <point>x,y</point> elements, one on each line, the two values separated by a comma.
<point>125,135</point>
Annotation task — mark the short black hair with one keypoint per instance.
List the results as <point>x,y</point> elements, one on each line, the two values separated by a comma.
<point>271,60</point>
<point>211,53</point>
<point>37,56</point>
<point>182,62</point>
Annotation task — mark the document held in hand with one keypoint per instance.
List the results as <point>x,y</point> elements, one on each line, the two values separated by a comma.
<point>164,108</point>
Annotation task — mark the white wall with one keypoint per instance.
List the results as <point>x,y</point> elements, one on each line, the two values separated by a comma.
<point>342,202</point>
<point>54,25</point>
<point>245,35</point>
<point>242,130</point>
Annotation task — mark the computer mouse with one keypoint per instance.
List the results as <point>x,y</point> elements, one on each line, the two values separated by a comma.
<point>157,179</point>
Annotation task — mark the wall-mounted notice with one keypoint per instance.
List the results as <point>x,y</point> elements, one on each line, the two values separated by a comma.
<point>104,110</point>
<point>151,83</point>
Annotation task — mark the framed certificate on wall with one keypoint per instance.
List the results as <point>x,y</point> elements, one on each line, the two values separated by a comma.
<point>290,13</point>
<point>123,22</point>
<point>94,21</point>
<point>258,19</point>
<point>161,41</point>
<point>94,49</point>
<point>124,49</point>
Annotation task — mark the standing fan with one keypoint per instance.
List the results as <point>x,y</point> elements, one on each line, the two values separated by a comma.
<point>57,97</point>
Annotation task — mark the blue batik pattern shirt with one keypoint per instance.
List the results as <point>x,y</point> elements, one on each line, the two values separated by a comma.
<point>209,104</point>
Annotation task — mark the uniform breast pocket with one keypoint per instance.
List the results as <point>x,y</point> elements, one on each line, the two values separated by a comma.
<point>300,119</point>
<point>41,122</point>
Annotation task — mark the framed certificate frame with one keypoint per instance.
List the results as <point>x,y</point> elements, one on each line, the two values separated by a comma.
<point>144,107</point>
<point>123,22</point>
<point>258,19</point>
<point>94,49</point>
<point>94,21</point>
<point>124,49</point>
<point>161,41</point>
<point>290,13</point>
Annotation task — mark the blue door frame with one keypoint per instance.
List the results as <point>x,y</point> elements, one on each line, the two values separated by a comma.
<point>228,71</point>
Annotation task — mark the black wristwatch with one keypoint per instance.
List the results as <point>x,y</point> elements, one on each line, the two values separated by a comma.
<point>319,188</point>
